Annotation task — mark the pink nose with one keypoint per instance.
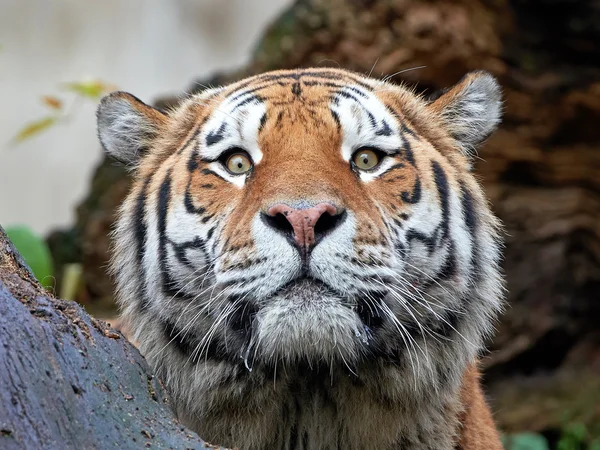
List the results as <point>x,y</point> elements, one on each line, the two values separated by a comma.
<point>324,216</point>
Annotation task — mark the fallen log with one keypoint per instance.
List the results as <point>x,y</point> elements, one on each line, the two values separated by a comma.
<point>70,381</point>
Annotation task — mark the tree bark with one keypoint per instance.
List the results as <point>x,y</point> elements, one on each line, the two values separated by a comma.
<point>541,170</point>
<point>69,381</point>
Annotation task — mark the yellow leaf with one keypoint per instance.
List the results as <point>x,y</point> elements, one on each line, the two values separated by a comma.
<point>92,89</point>
<point>33,128</point>
<point>52,102</point>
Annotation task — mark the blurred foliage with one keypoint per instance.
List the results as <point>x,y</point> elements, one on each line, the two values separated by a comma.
<point>35,127</point>
<point>576,436</point>
<point>34,251</point>
<point>525,441</point>
<point>573,436</point>
<point>72,281</point>
<point>86,90</point>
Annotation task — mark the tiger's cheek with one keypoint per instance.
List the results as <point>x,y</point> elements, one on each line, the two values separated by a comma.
<point>213,201</point>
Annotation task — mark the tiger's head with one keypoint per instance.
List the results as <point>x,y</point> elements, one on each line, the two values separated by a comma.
<point>308,216</point>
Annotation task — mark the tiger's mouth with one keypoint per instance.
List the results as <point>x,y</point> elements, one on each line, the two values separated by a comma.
<point>305,289</point>
<point>308,320</point>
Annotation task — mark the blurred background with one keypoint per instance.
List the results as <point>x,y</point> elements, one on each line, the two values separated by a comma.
<point>541,170</point>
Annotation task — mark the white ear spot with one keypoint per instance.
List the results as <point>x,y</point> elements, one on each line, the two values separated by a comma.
<point>472,109</point>
<point>127,126</point>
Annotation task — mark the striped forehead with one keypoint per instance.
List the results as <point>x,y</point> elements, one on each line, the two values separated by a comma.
<point>365,121</point>
<point>237,120</point>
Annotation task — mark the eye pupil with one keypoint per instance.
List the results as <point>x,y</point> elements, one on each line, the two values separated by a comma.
<point>366,159</point>
<point>238,163</point>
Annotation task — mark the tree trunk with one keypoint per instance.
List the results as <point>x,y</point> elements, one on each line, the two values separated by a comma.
<point>541,170</point>
<point>69,381</point>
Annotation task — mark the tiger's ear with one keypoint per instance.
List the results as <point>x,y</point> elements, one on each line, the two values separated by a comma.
<point>127,126</point>
<point>471,109</point>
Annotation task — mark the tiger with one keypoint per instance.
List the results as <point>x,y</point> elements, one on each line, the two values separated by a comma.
<point>308,261</point>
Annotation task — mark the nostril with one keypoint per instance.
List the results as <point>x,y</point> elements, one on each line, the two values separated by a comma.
<point>327,223</point>
<point>280,223</point>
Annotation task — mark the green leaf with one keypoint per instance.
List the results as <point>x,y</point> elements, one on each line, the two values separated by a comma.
<point>34,251</point>
<point>525,441</point>
<point>93,89</point>
<point>34,128</point>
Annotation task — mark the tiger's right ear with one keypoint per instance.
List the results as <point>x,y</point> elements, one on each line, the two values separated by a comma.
<point>127,126</point>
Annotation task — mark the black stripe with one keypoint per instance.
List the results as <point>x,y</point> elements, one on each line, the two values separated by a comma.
<point>428,241</point>
<point>415,196</point>
<point>336,119</point>
<point>140,223</point>
<point>328,84</point>
<point>357,91</point>
<point>189,203</point>
<point>169,286</point>
<point>441,182</point>
<point>185,342</point>
<point>140,230</point>
<point>450,267</point>
<point>192,137</point>
<point>408,153</point>
<point>296,89</point>
<point>162,212</point>
<point>180,250</point>
<point>242,316</point>
<point>345,94</point>
<point>210,233</point>
<point>216,136</point>
<point>263,121</point>
<point>210,172</point>
<point>470,218</point>
<point>343,77</point>
<point>252,99</point>
<point>394,167</point>
<point>407,130</point>
<point>236,95</point>
<point>385,129</point>
<point>193,162</point>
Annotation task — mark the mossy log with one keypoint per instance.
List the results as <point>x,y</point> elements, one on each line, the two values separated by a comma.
<point>69,381</point>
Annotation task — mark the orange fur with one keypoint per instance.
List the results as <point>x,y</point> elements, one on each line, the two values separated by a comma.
<point>478,431</point>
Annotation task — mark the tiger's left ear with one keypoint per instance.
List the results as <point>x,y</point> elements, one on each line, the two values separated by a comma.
<point>127,126</point>
<point>471,109</point>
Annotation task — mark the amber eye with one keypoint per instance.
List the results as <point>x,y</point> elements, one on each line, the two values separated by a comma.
<point>238,163</point>
<point>365,159</point>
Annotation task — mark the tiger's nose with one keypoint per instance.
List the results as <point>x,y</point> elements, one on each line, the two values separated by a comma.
<point>305,226</point>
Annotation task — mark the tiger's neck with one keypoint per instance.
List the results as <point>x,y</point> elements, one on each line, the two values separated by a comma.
<point>313,411</point>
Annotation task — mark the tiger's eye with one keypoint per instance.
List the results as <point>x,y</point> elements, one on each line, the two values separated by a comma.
<point>365,159</point>
<point>238,163</point>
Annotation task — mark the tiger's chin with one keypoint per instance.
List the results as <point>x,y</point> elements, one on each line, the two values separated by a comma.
<point>308,322</point>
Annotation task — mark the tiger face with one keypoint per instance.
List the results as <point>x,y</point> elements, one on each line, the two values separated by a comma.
<point>308,217</point>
